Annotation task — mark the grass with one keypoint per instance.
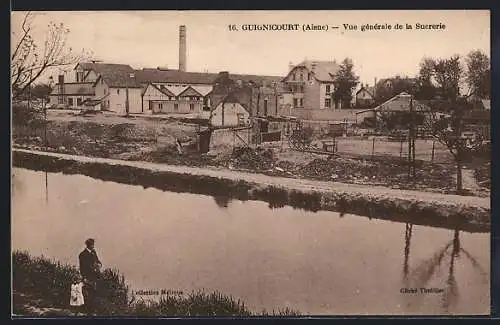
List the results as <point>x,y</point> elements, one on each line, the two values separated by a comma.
<point>42,283</point>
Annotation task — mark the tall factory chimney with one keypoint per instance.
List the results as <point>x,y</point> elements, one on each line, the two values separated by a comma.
<point>182,48</point>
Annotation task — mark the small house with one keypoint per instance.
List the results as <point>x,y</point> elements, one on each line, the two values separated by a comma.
<point>229,112</point>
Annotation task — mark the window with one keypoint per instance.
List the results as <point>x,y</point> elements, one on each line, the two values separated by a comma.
<point>78,101</point>
<point>328,102</point>
<point>176,107</point>
<point>160,106</point>
<point>118,91</point>
<point>301,76</point>
<point>295,102</point>
<point>241,119</point>
<point>79,76</point>
<point>301,103</point>
<point>328,90</point>
<point>294,77</point>
<point>60,100</point>
<point>70,101</point>
<point>191,107</point>
<point>301,89</point>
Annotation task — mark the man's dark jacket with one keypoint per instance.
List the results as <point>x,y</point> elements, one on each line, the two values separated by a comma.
<point>89,264</point>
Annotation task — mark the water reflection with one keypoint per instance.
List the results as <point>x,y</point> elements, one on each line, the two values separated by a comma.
<point>314,262</point>
<point>425,271</point>
<point>276,197</point>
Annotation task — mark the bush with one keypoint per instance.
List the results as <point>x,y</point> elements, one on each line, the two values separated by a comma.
<point>22,115</point>
<point>50,281</point>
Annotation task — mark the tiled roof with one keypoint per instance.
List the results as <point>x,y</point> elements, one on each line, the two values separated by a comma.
<point>322,70</point>
<point>174,76</point>
<point>115,75</point>
<point>189,78</point>
<point>401,102</point>
<point>75,89</point>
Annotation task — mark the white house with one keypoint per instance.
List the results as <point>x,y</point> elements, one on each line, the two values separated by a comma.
<point>158,98</point>
<point>229,113</point>
<point>70,95</point>
<point>99,85</point>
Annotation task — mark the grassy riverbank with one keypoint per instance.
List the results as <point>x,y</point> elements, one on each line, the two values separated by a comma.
<point>41,287</point>
<point>467,213</point>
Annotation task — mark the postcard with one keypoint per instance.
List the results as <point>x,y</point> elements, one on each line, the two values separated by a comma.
<point>250,163</point>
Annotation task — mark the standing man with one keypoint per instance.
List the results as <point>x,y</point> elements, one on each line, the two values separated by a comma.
<point>90,268</point>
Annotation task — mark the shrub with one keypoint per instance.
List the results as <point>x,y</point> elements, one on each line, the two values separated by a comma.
<point>22,115</point>
<point>50,281</point>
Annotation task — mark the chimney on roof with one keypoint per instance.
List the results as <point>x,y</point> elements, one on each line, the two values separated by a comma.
<point>61,88</point>
<point>182,48</point>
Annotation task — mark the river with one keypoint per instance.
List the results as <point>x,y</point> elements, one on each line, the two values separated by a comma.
<point>317,263</point>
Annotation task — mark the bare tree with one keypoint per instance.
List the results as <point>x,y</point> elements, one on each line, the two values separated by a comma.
<point>29,60</point>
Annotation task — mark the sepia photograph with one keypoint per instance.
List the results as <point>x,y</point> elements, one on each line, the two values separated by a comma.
<point>250,163</point>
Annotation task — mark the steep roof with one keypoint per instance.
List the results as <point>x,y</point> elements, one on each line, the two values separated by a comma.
<point>401,102</point>
<point>75,89</point>
<point>162,89</point>
<point>189,91</point>
<point>230,98</point>
<point>115,75</point>
<point>369,90</point>
<point>203,90</point>
<point>322,70</point>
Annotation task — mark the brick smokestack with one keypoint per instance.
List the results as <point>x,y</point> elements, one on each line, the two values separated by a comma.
<point>182,48</point>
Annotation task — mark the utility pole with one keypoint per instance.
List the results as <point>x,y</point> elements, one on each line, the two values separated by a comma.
<point>127,107</point>
<point>276,97</point>
<point>126,99</point>
<point>411,143</point>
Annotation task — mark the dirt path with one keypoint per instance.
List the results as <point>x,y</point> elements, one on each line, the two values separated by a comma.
<point>27,305</point>
<point>469,182</point>
<point>289,183</point>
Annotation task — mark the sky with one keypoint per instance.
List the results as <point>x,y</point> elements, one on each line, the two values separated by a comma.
<point>150,38</point>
